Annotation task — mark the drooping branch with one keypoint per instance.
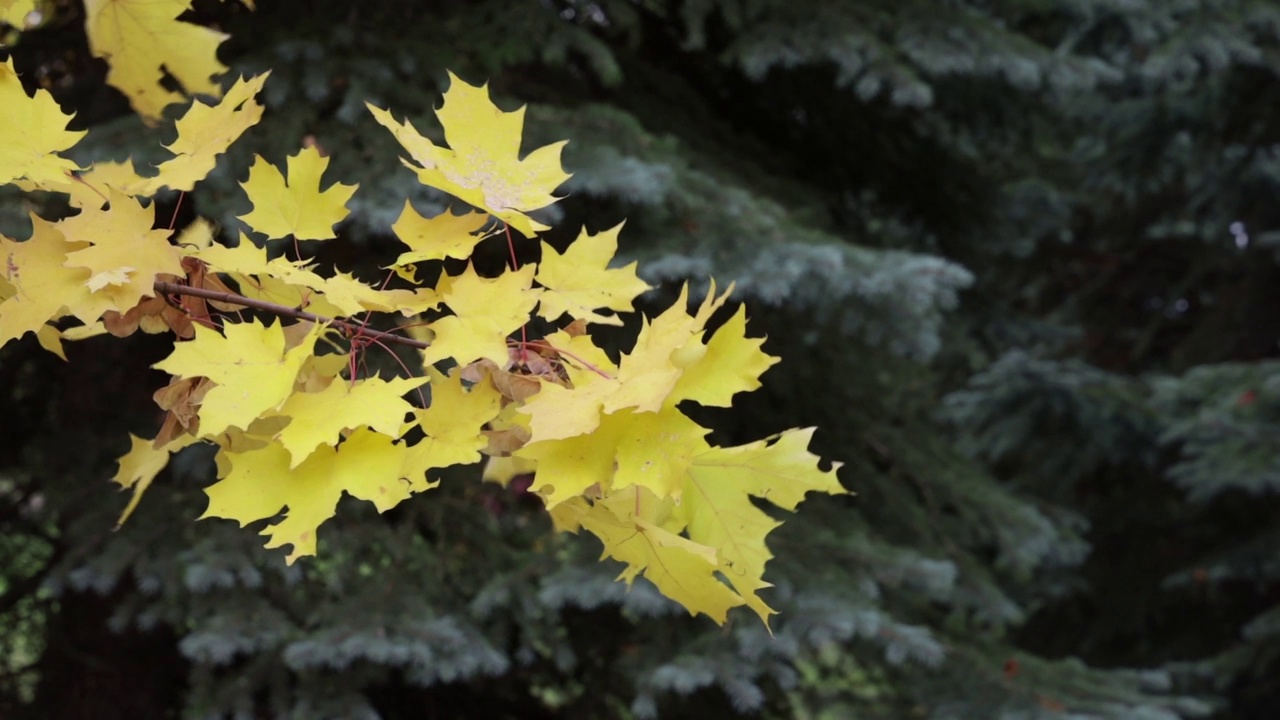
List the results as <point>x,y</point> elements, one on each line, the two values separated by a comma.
<point>352,329</point>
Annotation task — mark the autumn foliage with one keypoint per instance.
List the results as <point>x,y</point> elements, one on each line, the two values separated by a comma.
<point>266,358</point>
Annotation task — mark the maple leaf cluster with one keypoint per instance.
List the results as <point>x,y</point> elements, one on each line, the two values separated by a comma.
<point>266,364</point>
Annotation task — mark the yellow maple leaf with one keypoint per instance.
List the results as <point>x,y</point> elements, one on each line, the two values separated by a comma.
<point>260,483</point>
<point>51,340</point>
<point>43,289</point>
<point>716,502</point>
<point>502,470</point>
<point>283,282</point>
<point>90,188</point>
<point>452,424</point>
<point>682,569</point>
<point>249,362</point>
<point>647,374</point>
<point>95,183</point>
<point>482,164</point>
<point>567,467</point>
<point>198,235</point>
<point>485,311</point>
<point>246,257</point>
<point>343,290</point>
<point>297,206</point>
<point>728,364</point>
<point>318,418</point>
<point>273,289</point>
<point>564,517</point>
<point>640,525</point>
<point>258,435</point>
<point>141,40</point>
<point>20,14</point>
<point>651,450</point>
<point>656,450</point>
<point>81,332</point>
<point>321,371</point>
<point>558,412</point>
<point>206,131</point>
<point>644,380</point>
<point>125,254</point>
<point>32,132</point>
<point>140,466</point>
<point>353,296</point>
<point>444,236</point>
<point>579,282</point>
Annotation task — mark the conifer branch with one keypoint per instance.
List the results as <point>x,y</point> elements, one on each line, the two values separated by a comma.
<point>351,329</point>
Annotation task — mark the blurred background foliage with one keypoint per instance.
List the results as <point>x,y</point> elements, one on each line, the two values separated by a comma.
<point>1020,259</point>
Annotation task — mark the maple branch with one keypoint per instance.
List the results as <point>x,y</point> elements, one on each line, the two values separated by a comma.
<point>352,329</point>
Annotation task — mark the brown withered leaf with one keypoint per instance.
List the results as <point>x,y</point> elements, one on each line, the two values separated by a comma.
<point>198,275</point>
<point>155,315</point>
<point>295,334</point>
<point>537,364</point>
<point>180,398</point>
<point>514,387</point>
<point>506,441</point>
<point>477,371</point>
<point>151,315</point>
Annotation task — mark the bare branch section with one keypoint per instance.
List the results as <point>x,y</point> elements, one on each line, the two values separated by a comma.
<point>352,329</point>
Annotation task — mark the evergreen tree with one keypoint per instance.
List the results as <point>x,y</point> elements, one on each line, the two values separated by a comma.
<point>993,243</point>
<point>1143,337</point>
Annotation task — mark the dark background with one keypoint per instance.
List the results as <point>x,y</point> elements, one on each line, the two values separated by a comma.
<point>1019,258</point>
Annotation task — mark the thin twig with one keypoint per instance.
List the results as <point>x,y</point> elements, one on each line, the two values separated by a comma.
<point>168,288</point>
<point>566,353</point>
